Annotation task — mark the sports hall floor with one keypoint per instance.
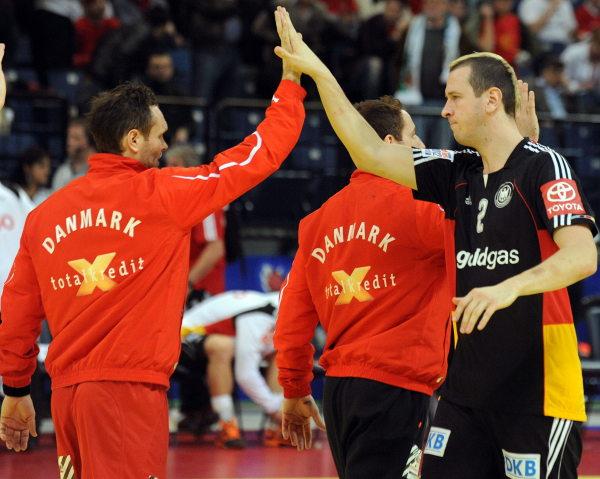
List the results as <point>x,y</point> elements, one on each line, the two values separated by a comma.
<point>192,458</point>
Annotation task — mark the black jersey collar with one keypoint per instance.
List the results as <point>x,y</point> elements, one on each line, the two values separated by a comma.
<point>516,153</point>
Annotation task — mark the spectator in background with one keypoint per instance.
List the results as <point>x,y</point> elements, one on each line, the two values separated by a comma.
<point>53,35</point>
<point>33,174</point>
<point>89,30</point>
<point>342,37</point>
<point>79,148</point>
<point>263,30</point>
<point>582,69</point>
<point>160,77</point>
<point>206,276</point>
<point>214,29</point>
<point>552,22</point>
<point>379,48</point>
<point>497,30</point>
<point>470,25</point>
<point>550,89</point>
<point>431,44</point>
<point>588,18</point>
<point>161,35</point>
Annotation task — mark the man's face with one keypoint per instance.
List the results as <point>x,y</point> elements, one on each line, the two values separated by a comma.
<point>435,9</point>
<point>152,148</point>
<point>458,8</point>
<point>392,11</point>
<point>77,141</point>
<point>94,9</point>
<point>160,68</point>
<point>464,111</point>
<point>554,76</point>
<point>503,6</point>
<point>409,132</point>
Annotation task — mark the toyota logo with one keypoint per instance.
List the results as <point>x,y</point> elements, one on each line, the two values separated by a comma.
<point>561,192</point>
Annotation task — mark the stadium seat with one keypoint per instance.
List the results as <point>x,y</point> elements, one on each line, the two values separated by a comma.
<point>65,83</point>
<point>316,158</point>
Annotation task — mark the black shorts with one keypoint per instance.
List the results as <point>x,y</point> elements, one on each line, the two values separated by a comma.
<point>465,443</point>
<point>374,429</point>
<point>191,376</point>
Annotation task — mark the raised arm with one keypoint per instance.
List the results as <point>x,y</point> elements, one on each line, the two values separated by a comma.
<point>366,149</point>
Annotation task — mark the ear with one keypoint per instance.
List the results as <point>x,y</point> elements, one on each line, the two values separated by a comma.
<point>131,141</point>
<point>494,100</point>
<point>389,138</point>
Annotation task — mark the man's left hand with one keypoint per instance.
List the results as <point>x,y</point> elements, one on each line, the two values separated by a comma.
<point>17,422</point>
<point>295,423</point>
<point>480,304</point>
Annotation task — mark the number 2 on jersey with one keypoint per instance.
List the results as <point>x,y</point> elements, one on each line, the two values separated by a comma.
<point>483,204</point>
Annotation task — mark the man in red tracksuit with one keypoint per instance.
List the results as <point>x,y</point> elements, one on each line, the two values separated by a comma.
<point>370,268</point>
<point>207,255</point>
<point>105,260</point>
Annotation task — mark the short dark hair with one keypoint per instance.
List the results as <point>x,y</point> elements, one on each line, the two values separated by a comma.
<point>552,62</point>
<point>116,112</point>
<point>489,70</point>
<point>384,115</point>
<point>28,157</point>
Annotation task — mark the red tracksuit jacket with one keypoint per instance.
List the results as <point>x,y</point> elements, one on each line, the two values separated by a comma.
<point>369,268</point>
<point>106,258</point>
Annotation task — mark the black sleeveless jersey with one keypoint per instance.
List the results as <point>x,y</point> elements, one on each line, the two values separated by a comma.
<point>525,360</point>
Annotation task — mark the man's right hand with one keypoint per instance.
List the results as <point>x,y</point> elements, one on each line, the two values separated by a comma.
<point>2,79</point>
<point>293,51</point>
<point>295,423</point>
<point>525,114</point>
<point>17,422</point>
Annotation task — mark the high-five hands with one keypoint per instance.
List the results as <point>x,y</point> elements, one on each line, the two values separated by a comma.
<point>288,70</point>
<point>480,304</point>
<point>293,50</point>
<point>295,422</point>
<point>525,114</point>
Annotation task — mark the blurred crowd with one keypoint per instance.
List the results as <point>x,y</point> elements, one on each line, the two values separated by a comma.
<point>224,48</point>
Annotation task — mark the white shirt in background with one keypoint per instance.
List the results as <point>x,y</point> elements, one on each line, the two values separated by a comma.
<point>14,208</point>
<point>253,340</point>
<point>560,26</point>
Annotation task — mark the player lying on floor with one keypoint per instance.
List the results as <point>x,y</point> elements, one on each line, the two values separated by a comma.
<point>236,325</point>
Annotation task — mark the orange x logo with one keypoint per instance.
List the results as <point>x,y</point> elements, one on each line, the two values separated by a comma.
<point>93,274</point>
<point>351,285</point>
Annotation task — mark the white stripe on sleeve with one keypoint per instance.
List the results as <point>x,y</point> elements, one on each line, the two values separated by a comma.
<point>224,166</point>
<point>209,226</point>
